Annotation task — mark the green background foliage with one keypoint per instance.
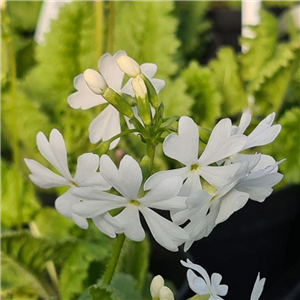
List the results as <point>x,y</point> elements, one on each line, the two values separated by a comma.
<point>44,255</point>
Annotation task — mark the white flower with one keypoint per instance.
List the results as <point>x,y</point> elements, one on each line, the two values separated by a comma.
<point>86,175</point>
<point>127,181</point>
<point>184,148</point>
<point>263,134</point>
<point>107,123</point>
<point>258,288</point>
<point>204,285</point>
<point>205,211</point>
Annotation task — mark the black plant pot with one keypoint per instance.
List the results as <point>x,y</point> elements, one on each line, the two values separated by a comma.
<point>261,237</point>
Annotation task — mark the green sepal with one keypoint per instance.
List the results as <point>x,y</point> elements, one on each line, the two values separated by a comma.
<point>152,95</point>
<point>144,110</point>
<point>146,166</point>
<point>118,102</point>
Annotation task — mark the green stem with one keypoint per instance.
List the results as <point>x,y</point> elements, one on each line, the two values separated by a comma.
<point>111,267</point>
<point>150,152</point>
<point>99,28</point>
<point>111,26</point>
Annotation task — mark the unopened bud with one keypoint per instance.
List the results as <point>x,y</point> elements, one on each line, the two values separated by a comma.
<point>156,284</point>
<point>152,94</point>
<point>166,294</point>
<point>129,66</point>
<point>95,81</point>
<point>103,148</point>
<point>139,87</point>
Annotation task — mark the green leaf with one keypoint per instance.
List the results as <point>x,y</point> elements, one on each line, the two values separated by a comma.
<point>202,87</point>
<point>77,273</point>
<point>18,201</point>
<point>122,287</point>
<point>261,47</point>
<point>26,256</point>
<point>138,31</point>
<point>226,74</point>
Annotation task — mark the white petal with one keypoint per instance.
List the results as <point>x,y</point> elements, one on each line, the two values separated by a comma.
<point>231,203</point>
<point>166,189</point>
<point>164,231</point>
<point>105,126</point>
<point>258,288</point>
<point>94,208</point>
<point>220,144</point>
<point>86,175</point>
<point>191,185</point>
<point>127,180</point>
<point>107,224</point>
<point>80,221</point>
<point>84,98</point>
<point>217,176</point>
<point>197,268</point>
<point>110,70</point>
<point>244,123</point>
<point>149,69</point>
<point>158,84</point>
<point>64,203</point>
<point>129,219</point>
<point>264,133</point>
<point>158,177</point>
<point>217,288</point>
<point>196,283</point>
<point>87,165</point>
<point>54,151</point>
<point>184,146</point>
<point>175,203</point>
<point>43,177</point>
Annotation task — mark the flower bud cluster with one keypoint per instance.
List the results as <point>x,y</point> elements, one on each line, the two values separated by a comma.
<point>159,291</point>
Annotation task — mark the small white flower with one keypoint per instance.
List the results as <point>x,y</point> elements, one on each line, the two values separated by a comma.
<point>95,81</point>
<point>204,285</point>
<point>107,123</point>
<point>258,288</point>
<point>86,175</point>
<point>127,181</point>
<point>184,148</point>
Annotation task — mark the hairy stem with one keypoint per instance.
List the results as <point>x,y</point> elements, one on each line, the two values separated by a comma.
<point>111,267</point>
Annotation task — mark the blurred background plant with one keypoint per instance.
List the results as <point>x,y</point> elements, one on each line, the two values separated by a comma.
<point>207,77</point>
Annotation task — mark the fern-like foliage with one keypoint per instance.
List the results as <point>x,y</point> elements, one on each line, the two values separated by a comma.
<point>261,48</point>
<point>68,50</point>
<point>202,87</point>
<point>225,71</point>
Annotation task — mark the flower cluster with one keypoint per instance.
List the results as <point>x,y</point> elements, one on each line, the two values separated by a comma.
<point>208,187</point>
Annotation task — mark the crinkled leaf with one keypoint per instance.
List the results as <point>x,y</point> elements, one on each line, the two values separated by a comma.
<point>202,87</point>
<point>261,47</point>
<point>18,201</point>
<point>225,71</point>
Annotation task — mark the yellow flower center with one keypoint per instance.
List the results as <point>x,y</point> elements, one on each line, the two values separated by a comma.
<point>194,167</point>
<point>134,202</point>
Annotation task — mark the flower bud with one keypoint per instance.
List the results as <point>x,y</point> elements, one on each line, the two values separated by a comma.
<point>95,81</point>
<point>152,94</point>
<point>103,148</point>
<point>139,87</point>
<point>156,284</point>
<point>128,66</point>
<point>165,294</point>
